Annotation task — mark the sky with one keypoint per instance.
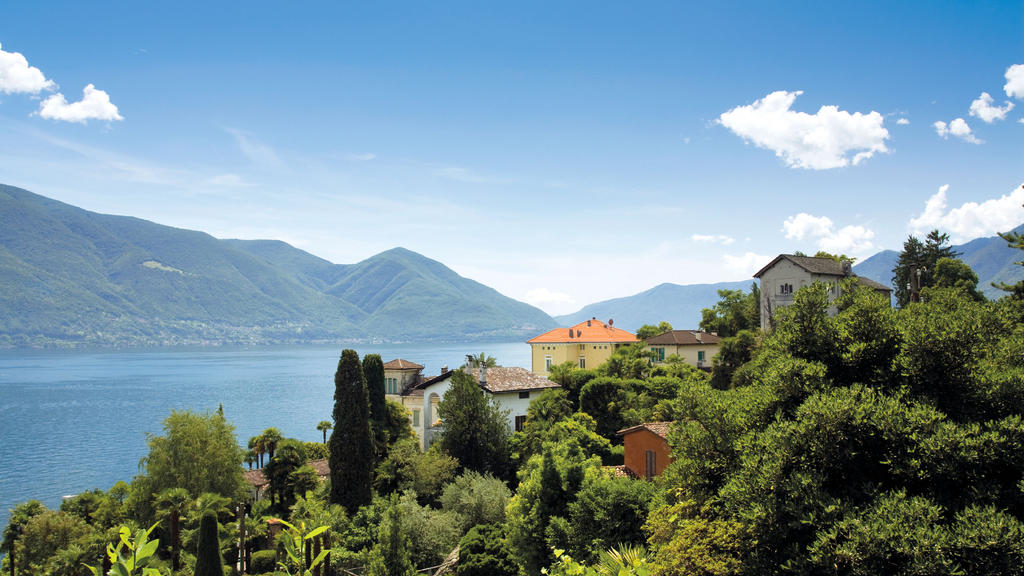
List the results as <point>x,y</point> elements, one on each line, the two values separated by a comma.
<point>561,152</point>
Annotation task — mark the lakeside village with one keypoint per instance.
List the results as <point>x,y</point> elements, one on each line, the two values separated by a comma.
<point>806,427</point>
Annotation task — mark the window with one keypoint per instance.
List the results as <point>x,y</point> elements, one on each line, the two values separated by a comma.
<point>392,386</point>
<point>415,417</point>
<point>524,394</point>
<point>700,355</point>
<point>650,468</point>
<point>661,354</point>
<point>520,422</point>
<point>547,363</point>
<point>785,289</point>
<point>583,362</point>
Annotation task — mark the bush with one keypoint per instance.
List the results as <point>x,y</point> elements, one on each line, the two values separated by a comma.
<point>263,561</point>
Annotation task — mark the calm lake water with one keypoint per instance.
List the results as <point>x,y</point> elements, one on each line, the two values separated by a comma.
<point>76,420</point>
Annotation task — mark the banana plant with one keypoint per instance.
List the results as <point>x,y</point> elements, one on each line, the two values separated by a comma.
<point>131,556</point>
<point>295,539</point>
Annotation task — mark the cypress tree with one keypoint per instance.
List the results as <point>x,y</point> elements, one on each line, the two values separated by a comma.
<point>351,445</point>
<point>373,371</point>
<point>208,560</point>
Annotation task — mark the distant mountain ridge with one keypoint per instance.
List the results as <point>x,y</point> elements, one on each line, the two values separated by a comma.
<point>73,277</point>
<point>990,258</point>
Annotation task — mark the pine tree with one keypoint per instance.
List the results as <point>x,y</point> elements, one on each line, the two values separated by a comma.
<point>351,445</point>
<point>391,556</point>
<point>1015,240</point>
<point>208,560</point>
<point>916,265</point>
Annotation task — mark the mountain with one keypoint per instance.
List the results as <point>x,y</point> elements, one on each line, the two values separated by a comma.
<point>990,258</point>
<point>679,305</point>
<point>70,277</point>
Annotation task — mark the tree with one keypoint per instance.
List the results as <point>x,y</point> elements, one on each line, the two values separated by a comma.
<point>373,371</point>
<point>648,331</point>
<point>915,268</point>
<point>208,559</point>
<point>733,352</point>
<point>954,273</point>
<point>1015,240</point>
<point>391,557</point>
<point>484,552</point>
<point>351,443</point>
<point>171,503</point>
<point>198,452</point>
<point>324,426</point>
<point>291,455</point>
<point>481,359</point>
<point>735,311</point>
<point>476,431</point>
<point>476,499</point>
<point>271,436</point>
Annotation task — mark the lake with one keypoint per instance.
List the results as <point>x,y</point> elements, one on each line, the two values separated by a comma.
<point>76,420</point>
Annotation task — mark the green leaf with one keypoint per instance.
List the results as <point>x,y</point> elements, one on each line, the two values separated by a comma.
<point>320,557</point>
<point>148,549</point>
<point>316,532</point>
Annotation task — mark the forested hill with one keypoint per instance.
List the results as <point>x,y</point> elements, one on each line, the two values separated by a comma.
<point>990,258</point>
<point>69,277</point>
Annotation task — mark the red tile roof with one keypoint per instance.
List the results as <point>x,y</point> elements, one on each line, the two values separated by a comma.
<point>258,479</point>
<point>399,364</point>
<point>513,379</point>
<point>592,330</point>
<point>683,338</point>
<point>658,428</point>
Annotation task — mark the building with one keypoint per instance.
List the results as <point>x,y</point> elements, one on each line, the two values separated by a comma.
<point>696,348</point>
<point>513,389</point>
<point>400,380</point>
<point>646,449</point>
<point>587,344</point>
<point>787,274</point>
<point>258,482</point>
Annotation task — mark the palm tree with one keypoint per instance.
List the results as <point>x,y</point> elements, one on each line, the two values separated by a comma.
<point>258,446</point>
<point>475,361</point>
<point>170,504</point>
<point>271,436</point>
<point>250,458</point>
<point>324,426</point>
<point>624,560</point>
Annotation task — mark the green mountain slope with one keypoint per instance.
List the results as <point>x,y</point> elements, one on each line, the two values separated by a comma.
<point>69,276</point>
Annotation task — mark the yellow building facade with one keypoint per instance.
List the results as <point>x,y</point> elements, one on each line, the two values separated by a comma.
<point>587,345</point>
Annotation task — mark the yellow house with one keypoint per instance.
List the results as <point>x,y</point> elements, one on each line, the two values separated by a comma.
<point>587,344</point>
<point>696,348</point>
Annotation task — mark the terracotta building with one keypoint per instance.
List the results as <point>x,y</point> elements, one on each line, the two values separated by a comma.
<point>646,448</point>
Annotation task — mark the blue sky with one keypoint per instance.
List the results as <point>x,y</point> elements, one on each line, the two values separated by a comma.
<point>561,152</point>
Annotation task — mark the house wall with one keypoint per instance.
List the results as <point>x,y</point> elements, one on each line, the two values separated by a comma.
<point>637,443</point>
<point>689,352</point>
<point>593,353</point>
<point>785,272</point>
<point>515,405</point>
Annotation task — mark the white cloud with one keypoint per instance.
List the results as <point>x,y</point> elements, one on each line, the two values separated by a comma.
<point>541,297</point>
<point>17,77</point>
<point>361,157</point>
<point>959,128</point>
<point>459,174</point>
<point>903,121</point>
<point>746,263</point>
<point>984,108</point>
<point>848,239</point>
<point>971,220</point>
<point>803,224</point>
<point>711,238</point>
<point>830,138</point>
<point>94,105</point>
<point>1014,87</point>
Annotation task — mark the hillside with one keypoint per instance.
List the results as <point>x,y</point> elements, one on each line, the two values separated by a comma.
<point>677,304</point>
<point>73,277</point>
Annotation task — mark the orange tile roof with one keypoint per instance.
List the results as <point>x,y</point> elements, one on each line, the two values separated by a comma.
<point>657,428</point>
<point>399,364</point>
<point>592,330</point>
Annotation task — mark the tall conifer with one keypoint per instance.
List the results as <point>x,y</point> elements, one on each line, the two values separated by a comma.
<point>373,371</point>
<point>208,560</point>
<point>351,445</point>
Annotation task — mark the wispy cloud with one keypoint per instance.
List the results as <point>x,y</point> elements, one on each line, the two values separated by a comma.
<point>747,263</point>
<point>460,174</point>
<point>366,157</point>
<point>971,219</point>
<point>903,121</point>
<point>259,154</point>
<point>713,239</point>
<point>829,138</point>
<point>228,180</point>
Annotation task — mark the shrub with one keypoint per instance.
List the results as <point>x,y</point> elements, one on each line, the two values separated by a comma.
<point>263,561</point>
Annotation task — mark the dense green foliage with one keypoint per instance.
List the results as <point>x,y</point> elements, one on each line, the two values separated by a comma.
<point>916,265</point>
<point>390,557</point>
<point>351,442</point>
<point>476,431</point>
<point>484,552</point>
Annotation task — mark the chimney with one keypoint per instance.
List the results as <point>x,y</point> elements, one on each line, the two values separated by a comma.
<point>611,322</point>
<point>579,333</point>
<point>444,369</point>
<point>483,374</point>
<point>570,333</point>
<point>847,268</point>
<point>588,323</point>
